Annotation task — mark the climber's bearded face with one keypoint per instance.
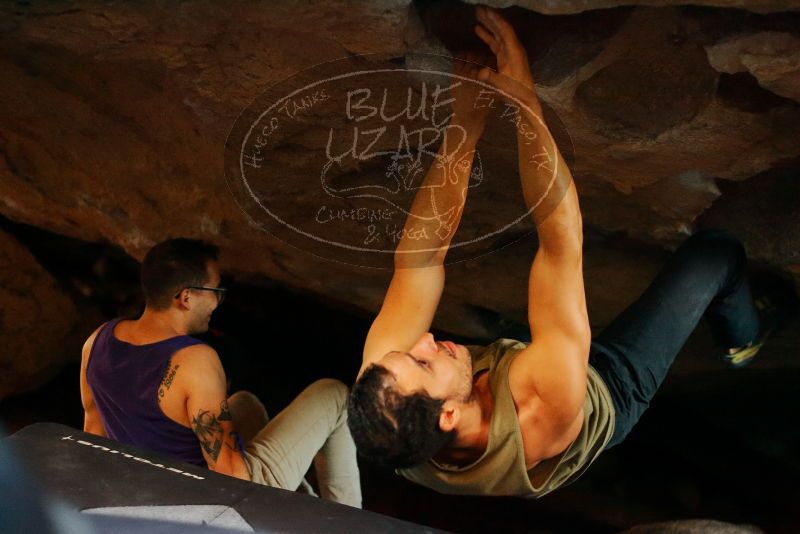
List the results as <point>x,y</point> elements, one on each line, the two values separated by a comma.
<point>441,369</point>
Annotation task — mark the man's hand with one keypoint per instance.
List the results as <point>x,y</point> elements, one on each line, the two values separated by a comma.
<point>513,76</point>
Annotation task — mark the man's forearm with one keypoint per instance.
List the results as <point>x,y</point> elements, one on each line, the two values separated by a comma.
<point>439,203</point>
<point>547,184</point>
<point>235,466</point>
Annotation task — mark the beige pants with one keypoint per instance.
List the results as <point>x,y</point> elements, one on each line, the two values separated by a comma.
<point>312,428</point>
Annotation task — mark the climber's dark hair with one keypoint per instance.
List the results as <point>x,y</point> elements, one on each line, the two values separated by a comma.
<point>392,429</point>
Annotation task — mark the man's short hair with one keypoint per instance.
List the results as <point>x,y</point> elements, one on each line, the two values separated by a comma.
<point>391,429</point>
<point>173,265</point>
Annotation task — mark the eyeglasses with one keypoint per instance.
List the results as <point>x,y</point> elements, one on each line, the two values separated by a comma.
<point>219,291</point>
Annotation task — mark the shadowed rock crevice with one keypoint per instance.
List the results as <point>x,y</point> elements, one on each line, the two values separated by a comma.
<point>742,91</point>
<point>37,318</point>
<point>557,46</point>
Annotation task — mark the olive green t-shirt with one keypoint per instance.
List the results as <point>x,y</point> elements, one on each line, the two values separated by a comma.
<point>501,469</point>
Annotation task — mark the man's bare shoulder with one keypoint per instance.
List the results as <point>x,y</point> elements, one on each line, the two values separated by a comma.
<point>199,355</point>
<point>193,370</point>
<point>89,343</point>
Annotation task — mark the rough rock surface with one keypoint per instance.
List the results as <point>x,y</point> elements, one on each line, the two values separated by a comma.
<point>564,7</point>
<point>113,121</point>
<point>691,526</point>
<point>772,57</point>
<point>36,318</point>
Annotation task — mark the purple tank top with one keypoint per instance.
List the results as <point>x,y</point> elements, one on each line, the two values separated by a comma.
<point>124,380</point>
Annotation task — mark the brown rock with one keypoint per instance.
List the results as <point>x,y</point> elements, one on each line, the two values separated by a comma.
<point>36,317</point>
<point>649,89</point>
<point>563,7</point>
<point>772,57</point>
<point>692,526</point>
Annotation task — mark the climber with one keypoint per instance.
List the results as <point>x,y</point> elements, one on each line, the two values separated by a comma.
<point>525,418</point>
<point>147,383</point>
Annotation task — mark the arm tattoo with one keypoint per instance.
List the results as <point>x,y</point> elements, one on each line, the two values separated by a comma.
<point>208,428</point>
<point>225,415</point>
<point>166,381</point>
